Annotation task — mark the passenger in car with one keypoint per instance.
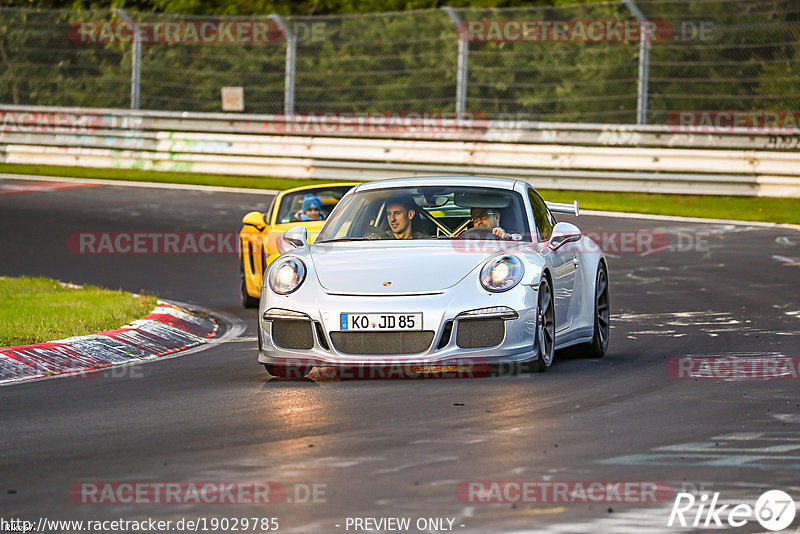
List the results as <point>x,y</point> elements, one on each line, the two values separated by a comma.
<point>311,209</point>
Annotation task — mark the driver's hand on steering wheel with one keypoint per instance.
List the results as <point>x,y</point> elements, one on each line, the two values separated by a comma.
<point>499,232</point>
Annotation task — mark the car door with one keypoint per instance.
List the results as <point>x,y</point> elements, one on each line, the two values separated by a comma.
<point>253,247</point>
<point>563,262</point>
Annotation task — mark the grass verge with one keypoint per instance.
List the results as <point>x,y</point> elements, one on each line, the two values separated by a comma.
<point>40,309</point>
<point>777,210</point>
<point>765,209</point>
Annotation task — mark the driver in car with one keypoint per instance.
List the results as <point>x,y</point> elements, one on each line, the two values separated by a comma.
<point>489,219</point>
<point>400,212</point>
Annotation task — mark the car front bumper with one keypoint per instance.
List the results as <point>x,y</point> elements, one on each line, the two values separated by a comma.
<point>321,311</point>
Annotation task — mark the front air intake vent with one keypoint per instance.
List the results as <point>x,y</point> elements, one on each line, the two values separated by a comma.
<point>382,342</point>
<point>321,335</point>
<point>292,334</point>
<point>480,333</point>
<point>447,331</point>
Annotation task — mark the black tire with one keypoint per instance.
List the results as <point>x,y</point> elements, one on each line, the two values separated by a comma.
<point>598,346</point>
<point>247,300</point>
<point>545,330</point>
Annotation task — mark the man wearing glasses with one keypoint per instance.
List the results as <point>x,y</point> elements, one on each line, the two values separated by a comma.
<point>488,219</point>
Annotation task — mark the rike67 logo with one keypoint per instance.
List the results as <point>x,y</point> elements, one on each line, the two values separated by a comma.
<point>774,510</point>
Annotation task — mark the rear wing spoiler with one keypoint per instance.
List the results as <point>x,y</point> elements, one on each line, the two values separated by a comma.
<point>557,207</point>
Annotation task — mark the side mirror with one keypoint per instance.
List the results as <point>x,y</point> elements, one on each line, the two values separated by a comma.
<point>254,218</point>
<point>297,236</point>
<point>564,233</point>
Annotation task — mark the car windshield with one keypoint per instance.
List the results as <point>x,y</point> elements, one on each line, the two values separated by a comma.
<point>429,212</point>
<point>292,203</point>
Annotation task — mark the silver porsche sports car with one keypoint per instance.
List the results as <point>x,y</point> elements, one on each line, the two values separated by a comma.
<point>431,270</point>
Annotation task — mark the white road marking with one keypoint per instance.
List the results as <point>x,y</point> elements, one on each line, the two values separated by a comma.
<point>650,520</point>
<point>42,186</point>
<point>787,417</point>
<point>625,215</point>
<point>151,185</point>
<point>792,262</point>
<point>740,449</point>
<point>426,461</point>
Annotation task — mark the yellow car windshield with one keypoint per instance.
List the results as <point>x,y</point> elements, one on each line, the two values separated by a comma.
<point>292,203</point>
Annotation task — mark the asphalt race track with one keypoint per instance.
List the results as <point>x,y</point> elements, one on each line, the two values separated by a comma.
<point>402,448</point>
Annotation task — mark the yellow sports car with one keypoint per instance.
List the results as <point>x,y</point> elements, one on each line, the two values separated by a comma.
<point>261,237</point>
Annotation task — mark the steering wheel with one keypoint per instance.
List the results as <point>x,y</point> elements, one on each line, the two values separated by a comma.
<point>479,232</point>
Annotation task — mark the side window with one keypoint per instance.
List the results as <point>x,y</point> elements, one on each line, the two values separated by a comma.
<point>541,215</point>
<point>289,205</point>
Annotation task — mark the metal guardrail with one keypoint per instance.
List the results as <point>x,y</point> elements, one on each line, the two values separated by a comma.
<point>551,155</point>
<point>472,128</point>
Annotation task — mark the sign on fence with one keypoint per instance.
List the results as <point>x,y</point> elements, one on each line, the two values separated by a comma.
<point>232,99</point>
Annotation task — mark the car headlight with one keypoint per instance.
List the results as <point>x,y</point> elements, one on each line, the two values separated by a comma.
<point>501,273</point>
<point>286,275</point>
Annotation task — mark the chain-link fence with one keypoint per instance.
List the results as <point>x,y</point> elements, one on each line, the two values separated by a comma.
<point>576,63</point>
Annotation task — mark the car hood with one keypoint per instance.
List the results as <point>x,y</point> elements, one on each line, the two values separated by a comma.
<point>392,268</point>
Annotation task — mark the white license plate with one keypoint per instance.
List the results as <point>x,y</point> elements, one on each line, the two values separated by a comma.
<point>380,321</point>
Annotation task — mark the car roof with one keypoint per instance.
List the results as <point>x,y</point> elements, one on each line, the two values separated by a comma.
<point>322,185</point>
<point>414,181</point>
